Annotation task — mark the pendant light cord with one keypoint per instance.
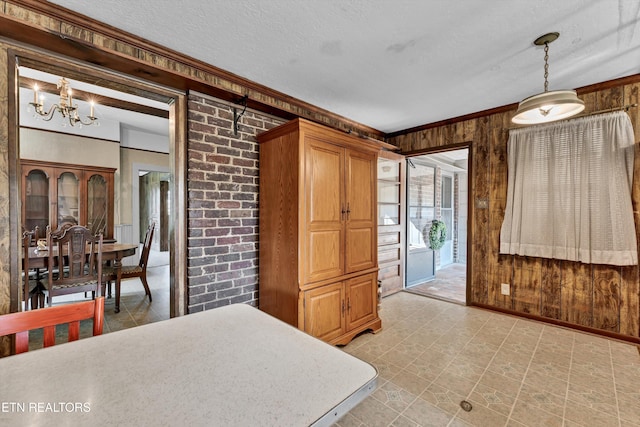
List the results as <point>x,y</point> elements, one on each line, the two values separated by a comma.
<point>546,66</point>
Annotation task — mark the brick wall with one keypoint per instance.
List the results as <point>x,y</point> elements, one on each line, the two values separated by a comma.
<point>222,204</point>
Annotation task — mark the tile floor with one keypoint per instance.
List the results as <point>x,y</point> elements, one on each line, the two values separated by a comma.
<point>432,354</point>
<point>450,284</point>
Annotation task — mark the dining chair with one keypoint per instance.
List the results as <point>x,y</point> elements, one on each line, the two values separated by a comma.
<point>22,322</point>
<point>76,254</point>
<point>133,271</point>
<point>34,295</point>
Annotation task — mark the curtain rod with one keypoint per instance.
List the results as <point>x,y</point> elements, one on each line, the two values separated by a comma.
<point>593,113</point>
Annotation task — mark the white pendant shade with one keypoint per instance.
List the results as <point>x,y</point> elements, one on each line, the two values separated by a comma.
<point>548,107</point>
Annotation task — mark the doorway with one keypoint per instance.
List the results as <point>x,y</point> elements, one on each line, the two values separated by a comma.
<point>175,112</point>
<point>437,191</point>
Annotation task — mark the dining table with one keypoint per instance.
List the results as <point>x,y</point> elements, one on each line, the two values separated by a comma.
<point>230,366</point>
<point>111,252</point>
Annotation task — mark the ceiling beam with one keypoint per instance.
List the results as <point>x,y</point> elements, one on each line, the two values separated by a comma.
<point>51,88</point>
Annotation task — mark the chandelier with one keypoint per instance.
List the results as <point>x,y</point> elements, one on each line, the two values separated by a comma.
<point>548,106</point>
<point>64,106</point>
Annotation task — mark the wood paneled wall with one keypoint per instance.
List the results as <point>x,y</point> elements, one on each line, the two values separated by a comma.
<point>601,298</point>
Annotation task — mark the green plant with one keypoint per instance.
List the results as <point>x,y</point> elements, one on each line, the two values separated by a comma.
<point>437,234</point>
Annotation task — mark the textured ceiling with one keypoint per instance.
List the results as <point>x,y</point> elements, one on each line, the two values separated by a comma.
<point>393,64</point>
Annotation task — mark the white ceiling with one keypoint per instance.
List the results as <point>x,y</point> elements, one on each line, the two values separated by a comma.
<point>393,64</point>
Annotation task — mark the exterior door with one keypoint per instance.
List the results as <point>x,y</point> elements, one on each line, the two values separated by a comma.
<point>420,212</point>
<point>447,215</point>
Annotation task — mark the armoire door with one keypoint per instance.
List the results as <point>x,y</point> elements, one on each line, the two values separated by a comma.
<point>324,207</point>
<point>324,311</point>
<point>362,298</point>
<point>361,233</point>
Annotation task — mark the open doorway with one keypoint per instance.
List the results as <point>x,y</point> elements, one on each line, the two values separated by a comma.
<point>437,214</point>
<point>122,145</point>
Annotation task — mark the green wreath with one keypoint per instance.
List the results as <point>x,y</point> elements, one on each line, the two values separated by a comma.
<point>437,234</point>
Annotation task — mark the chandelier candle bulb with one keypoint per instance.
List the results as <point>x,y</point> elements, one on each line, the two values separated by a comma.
<point>91,111</point>
<point>35,94</point>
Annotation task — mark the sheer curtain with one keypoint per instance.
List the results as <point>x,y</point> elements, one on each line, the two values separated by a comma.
<point>569,191</point>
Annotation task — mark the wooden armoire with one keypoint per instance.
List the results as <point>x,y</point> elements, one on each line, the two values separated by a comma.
<point>318,230</point>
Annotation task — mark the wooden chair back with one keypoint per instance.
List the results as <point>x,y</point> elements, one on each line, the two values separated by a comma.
<point>146,246</point>
<point>47,318</point>
<point>29,239</point>
<point>78,260</point>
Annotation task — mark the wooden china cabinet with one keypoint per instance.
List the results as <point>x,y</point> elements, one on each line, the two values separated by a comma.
<point>318,230</point>
<point>57,193</point>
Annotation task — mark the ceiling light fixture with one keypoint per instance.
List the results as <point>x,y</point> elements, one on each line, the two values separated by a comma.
<point>548,106</point>
<point>65,106</point>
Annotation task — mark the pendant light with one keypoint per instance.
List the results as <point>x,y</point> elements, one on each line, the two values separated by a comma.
<point>548,106</point>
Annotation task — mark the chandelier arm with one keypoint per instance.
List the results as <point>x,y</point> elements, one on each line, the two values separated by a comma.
<point>49,115</point>
<point>89,123</point>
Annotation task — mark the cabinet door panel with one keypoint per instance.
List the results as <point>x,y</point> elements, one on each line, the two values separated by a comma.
<point>68,207</point>
<point>36,199</point>
<point>323,314</point>
<point>323,211</point>
<point>97,204</point>
<point>362,297</point>
<point>361,231</point>
<point>323,246</point>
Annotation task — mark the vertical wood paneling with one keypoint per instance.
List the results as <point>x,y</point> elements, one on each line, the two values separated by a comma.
<point>500,266</point>
<point>480,190</point>
<point>606,297</point>
<point>527,284</point>
<point>550,288</point>
<point>630,276</point>
<point>610,98</point>
<point>5,209</point>
<point>577,293</point>
<point>629,302</point>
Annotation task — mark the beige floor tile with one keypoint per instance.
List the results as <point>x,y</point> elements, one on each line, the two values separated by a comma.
<point>546,383</point>
<point>589,417</point>
<point>443,398</point>
<point>466,366</point>
<point>482,416</point>
<point>531,416</point>
<point>500,382</point>
<point>497,400</point>
<point>596,395</point>
<point>349,421</point>
<point>459,385</point>
<point>514,371</point>
<point>373,413</point>
<point>386,370</point>
<point>425,414</point>
<point>510,363</point>
<point>402,421</point>
<point>394,396</point>
<point>410,382</point>
<point>429,365</point>
<point>542,400</point>
<point>629,405</point>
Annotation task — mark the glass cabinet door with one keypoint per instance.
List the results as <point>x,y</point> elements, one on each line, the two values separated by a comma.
<point>97,207</point>
<point>36,201</point>
<point>68,199</point>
